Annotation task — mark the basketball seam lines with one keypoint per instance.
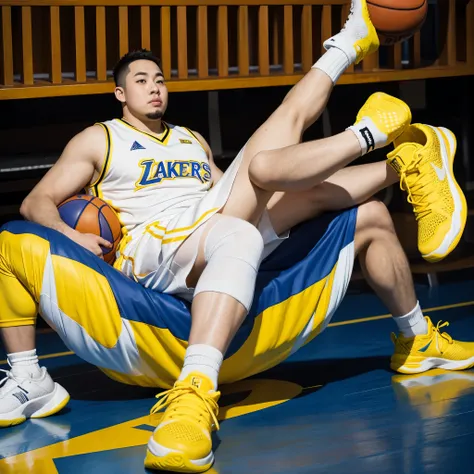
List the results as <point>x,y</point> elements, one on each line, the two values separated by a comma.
<point>80,214</point>
<point>398,9</point>
<point>108,225</point>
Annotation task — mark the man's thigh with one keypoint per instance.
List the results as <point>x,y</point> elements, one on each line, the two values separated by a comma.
<point>343,190</point>
<point>287,210</point>
<point>246,200</point>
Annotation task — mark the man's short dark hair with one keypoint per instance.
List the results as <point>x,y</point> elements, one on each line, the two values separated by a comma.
<point>121,69</point>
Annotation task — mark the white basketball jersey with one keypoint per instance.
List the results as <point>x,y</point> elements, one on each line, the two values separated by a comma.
<point>146,178</point>
<point>161,190</point>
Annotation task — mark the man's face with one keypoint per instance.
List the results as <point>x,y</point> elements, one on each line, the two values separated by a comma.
<point>145,92</point>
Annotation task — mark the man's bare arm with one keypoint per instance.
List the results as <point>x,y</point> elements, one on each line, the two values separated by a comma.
<point>216,173</point>
<point>74,169</point>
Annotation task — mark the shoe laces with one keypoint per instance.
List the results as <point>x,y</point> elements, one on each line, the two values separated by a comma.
<point>9,376</point>
<point>181,403</point>
<point>442,335</point>
<point>415,184</point>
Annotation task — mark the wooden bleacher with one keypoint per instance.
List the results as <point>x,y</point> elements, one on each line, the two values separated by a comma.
<point>203,44</point>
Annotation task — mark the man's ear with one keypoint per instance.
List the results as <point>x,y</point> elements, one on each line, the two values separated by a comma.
<point>120,94</point>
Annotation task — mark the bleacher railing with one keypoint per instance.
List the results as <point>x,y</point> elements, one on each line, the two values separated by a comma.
<point>68,47</point>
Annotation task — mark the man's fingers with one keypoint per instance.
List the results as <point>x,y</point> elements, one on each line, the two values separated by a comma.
<point>105,243</point>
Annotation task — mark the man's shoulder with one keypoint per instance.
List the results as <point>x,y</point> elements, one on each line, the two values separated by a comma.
<point>181,128</point>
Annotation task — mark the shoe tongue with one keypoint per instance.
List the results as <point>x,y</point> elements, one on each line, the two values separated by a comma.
<point>429,324</point>
<point>200,381</point>
<point>403,155</point>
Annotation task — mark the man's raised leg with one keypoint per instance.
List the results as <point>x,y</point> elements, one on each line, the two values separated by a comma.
<point>301,107</point>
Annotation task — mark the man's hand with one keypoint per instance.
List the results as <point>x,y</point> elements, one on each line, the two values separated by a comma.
<point>91,242</point>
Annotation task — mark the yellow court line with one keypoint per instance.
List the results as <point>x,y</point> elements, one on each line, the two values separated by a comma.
<point>312,386</point>
<point>341,323</point>
<point>387,316</point>
<point>46,356</point>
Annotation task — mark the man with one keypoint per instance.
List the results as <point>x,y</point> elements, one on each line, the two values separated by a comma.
<point>191,231</point>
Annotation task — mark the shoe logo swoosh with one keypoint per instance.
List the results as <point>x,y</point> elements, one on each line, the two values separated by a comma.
<point>424,348</point>
<point>440,172</point>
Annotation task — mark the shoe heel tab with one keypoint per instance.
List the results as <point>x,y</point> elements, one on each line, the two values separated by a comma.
<point>422,134</point>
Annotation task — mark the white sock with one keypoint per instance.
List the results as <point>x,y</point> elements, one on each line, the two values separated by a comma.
<point>333,62</point>
<point>25,363</point>
<point>369,136</point>
<point>202,358</point>
<point>413,323</point>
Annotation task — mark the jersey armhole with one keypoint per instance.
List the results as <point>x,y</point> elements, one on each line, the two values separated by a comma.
<point>94,187</point>
<point>196,138</point>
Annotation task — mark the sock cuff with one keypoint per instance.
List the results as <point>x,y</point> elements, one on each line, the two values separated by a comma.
<point>413,315</point>
<point>204,349</point>
<point>413,323</point>
<point>202,358</point>
<point>203,354</point>
<point>333,62</point>
<point>23,358</point>
<point>363,133</point>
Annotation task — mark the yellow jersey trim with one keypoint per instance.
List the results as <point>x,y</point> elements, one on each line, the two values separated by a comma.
<point>159,236</point>
<point>196,138</point>
<point>183,229</point>
<point>162,139</point>
<point>94,187</point>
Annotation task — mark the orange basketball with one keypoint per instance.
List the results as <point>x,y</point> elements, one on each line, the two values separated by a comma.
<point>397,20</point>
<point>92,215</point>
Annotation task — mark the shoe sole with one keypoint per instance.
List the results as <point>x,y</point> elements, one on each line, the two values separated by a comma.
<point>447,140</point>
<point>432,363</point>
<point>40,407</point>
<point>371,34</point>
<point>404,106</point>
<point>164,459</point>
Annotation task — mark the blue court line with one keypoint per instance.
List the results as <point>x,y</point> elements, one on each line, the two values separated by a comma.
<point>339,323</point>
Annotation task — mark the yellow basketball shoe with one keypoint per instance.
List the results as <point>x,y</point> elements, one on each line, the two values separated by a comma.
<point>380,121</point>
<point>358,37</point>
<point>433,393</point>
<point>434,349</point>
<point>423,158</point>
<point>182,440</point>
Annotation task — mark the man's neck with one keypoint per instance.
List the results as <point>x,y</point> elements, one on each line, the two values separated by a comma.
<point>149,126</point>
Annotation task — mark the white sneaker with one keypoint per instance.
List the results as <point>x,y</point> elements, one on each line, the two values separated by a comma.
<point>358,38</point>
<point>23,397</point>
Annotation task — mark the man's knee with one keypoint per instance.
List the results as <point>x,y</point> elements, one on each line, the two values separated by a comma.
<point>233,250</point>
<point>373,216</point>
<point>238,237</point>
<point>260,170</point>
